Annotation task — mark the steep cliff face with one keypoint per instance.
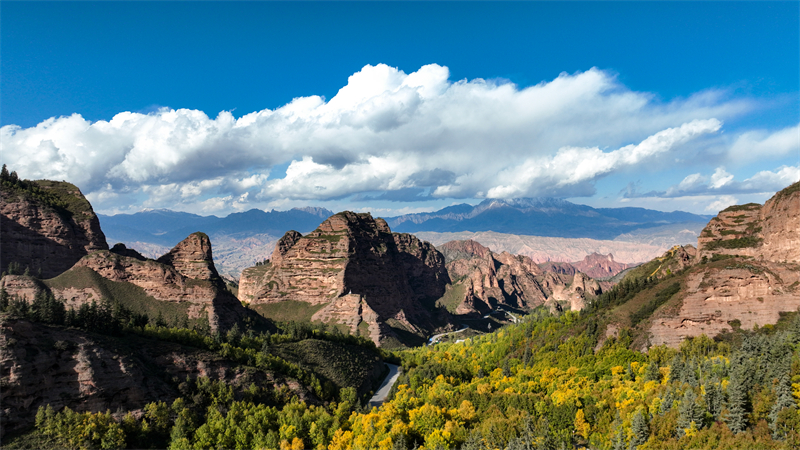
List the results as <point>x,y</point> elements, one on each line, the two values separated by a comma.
<point>357,273</point>
<point>184,275</point>
<point>736,292</point>
<point>46,226</point>
<point>770,232</point>
<point>485,281</point>
<point>745,271</point>
<point>185,279</point>
<point>42,365</point>
<point>192,258</point>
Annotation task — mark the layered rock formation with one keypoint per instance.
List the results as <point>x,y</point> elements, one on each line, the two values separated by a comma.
<point>359,273</point>
<point>485,281</point>
<point>185,277</point>
<point>600,266</point>
<point>46,226</point>
<point>186,274</point>
<point>61,367</point>
<point>770,232</point>
<point>731,293</point>
<point>745,272</point>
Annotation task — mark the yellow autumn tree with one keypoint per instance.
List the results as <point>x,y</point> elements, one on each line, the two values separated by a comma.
<point>582,427</point>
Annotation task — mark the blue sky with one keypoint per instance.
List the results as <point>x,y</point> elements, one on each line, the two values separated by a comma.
<point>401,107</point>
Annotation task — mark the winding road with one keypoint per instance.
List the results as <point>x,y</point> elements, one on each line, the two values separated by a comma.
<point>386,386</point>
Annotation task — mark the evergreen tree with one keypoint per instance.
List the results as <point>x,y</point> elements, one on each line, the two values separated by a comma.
<point>689,412</point>
<point>666,402</point>
<point>784,399</point>
<point>690,374</point>
<point>3,296</point>
<point>474,441</point>
<point>640,430</point>
<point>506,369</point>
<point>713,399</point>
<point>676,369</point>
<point>652,373</point>
<point>619,439</point>
<point>401,444</point>
<point>737,398</point>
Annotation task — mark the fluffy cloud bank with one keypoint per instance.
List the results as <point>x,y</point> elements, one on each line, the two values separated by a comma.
<point>414,135</point>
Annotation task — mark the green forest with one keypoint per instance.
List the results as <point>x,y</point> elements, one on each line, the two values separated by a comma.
<point>549,382</point>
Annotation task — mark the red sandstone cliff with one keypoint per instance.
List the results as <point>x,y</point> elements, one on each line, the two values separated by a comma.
<point>484,281</point>
<point>747,270</point>
<point>46,226</point>
<point>358,273</point>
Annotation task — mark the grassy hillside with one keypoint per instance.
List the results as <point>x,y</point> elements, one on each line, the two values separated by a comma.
<point>127,294</point>
<point>65,198</point>
<point>287,310</point>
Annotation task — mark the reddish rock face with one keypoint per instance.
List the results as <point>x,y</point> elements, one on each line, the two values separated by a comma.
<point>185,274</point>
<point>600,266</point>
<point>43,237</point>
<point>770,232</point>
<point>192,258</point>
<point>359,272</point>
<point>759,279</point>
<point>487,281</point>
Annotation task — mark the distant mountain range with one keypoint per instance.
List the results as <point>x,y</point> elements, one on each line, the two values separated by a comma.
<point>523,216</point>
<point>166,227</point>
<point>541,217</point>
<point>241,239</point>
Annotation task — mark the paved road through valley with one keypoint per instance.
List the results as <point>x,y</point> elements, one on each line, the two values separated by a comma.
<point>386,386</point>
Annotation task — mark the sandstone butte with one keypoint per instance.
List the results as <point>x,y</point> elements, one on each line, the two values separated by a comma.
<point>745,271</point>
<point>185,277</point>
<point>484,281</point>
<point>53,228</point>
<point>46,230</point>
<point>353,271</point>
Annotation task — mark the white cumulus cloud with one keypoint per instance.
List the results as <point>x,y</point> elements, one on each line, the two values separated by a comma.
<point>385,130</point>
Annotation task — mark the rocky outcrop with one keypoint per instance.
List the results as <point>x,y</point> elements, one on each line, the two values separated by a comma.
<point>42,365</point>
<point>192,258</point>
<point>22,286</point>
<point>770,232</point>
<point>600,266</point>
<point>186,275</point>
<point>376,282</point>
<point>780,218</point>
<point>732,293</point>
<point>46,226</point>
<point>485,281</point>
<point>744,273</point>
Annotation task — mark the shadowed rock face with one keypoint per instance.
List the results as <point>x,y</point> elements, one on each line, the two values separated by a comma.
<point>359,272</point>
<point>61,367</point>
<point>44,237</point>
<point>185,275</point>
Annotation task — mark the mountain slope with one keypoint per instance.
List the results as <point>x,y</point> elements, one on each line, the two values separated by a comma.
<point>540,217</point>
<point>352,270</point>
<point>45,226</point>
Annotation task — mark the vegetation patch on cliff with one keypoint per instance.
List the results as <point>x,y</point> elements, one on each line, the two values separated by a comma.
<point>287,310</point>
